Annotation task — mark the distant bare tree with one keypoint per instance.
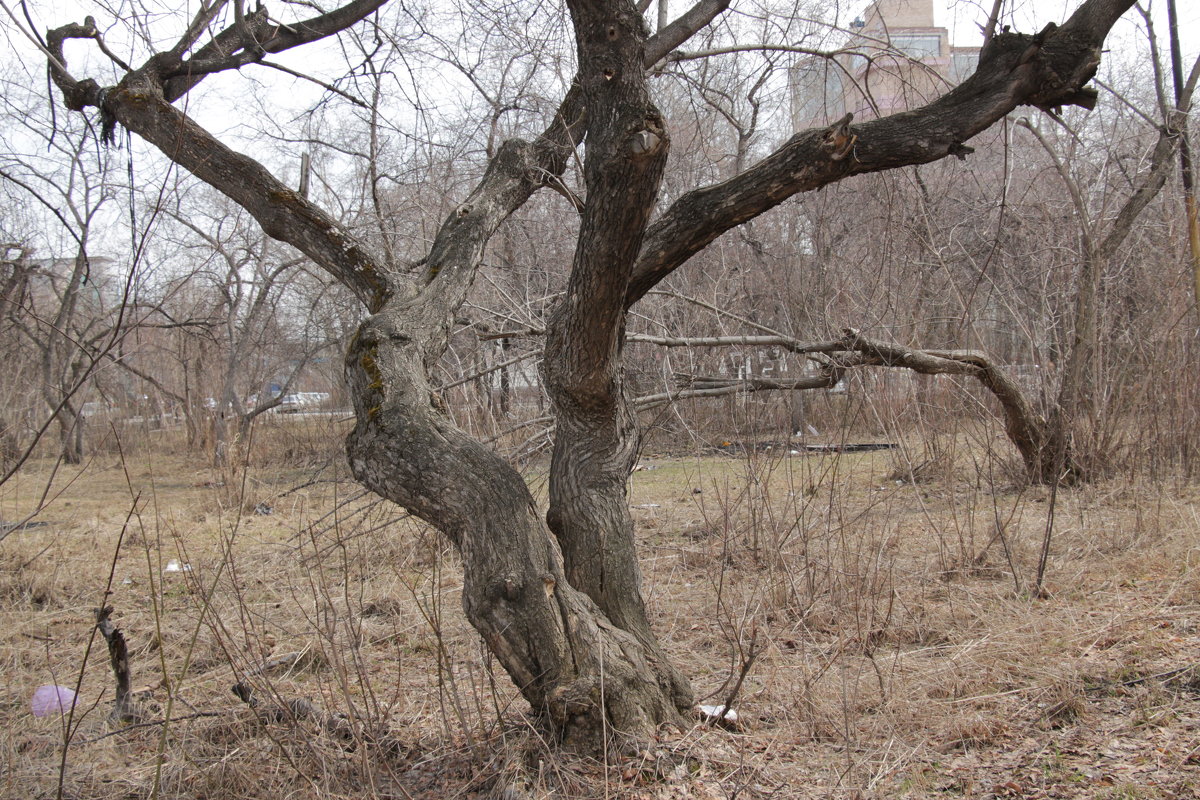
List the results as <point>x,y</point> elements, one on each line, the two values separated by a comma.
<point>61,299</point>
<point>260,323</point>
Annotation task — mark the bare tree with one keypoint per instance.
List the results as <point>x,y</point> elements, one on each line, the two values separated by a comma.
<point>1062,455</point>
<point>261,326</point>
<point>59,296</point>
<point>556,598</point>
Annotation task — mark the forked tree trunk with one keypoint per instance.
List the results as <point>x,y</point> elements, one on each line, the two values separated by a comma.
<point>574,666</point>
<point>574,635</point>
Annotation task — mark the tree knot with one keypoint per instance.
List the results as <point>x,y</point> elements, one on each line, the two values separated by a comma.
<point>839,140</point>
<point>651,139</point>
<point>510,587</point>
<point>644,143</point>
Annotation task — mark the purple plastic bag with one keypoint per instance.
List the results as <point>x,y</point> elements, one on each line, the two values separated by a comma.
<point>50,698</point>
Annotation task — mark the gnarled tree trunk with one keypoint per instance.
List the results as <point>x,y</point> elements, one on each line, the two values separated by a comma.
<point>557,600</point>
<point>562,651</point>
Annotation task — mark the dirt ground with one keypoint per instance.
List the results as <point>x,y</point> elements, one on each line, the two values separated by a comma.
<point>885,612</point>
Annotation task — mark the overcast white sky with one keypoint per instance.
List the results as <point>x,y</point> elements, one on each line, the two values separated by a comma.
<point>225,102</point>
<point>961,16</point>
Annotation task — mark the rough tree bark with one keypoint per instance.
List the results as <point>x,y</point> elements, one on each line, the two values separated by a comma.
<point>556,598</point>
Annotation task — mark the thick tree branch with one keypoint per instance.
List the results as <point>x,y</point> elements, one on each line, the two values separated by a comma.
<point>313,29</point>
<point>142,103</point>
<point>688,25</point>
<point>1048,69</point>
<point>1026,429</point>
<point>518,169</point>
<point>253,35</point>
<point>786,342</point>
<point>282,213</point>
<point>230,40</point>
<point>703,388</point>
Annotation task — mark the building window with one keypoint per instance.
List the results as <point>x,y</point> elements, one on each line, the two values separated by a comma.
<point>918,45</point>
<point>964,63</point>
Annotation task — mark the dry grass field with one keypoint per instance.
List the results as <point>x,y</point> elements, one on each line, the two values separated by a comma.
<point>884,614</point>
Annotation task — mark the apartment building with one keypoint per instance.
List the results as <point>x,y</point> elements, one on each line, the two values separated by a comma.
<point>895,58</point>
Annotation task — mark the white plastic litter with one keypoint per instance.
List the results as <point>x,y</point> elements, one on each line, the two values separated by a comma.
<point>174,566</point>
<point>712,713</point>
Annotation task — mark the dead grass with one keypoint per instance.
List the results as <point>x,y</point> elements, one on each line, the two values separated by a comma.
<point>903,651</point>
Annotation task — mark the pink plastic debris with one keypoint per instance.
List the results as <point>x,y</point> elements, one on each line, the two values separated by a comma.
<point>50,698</point>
